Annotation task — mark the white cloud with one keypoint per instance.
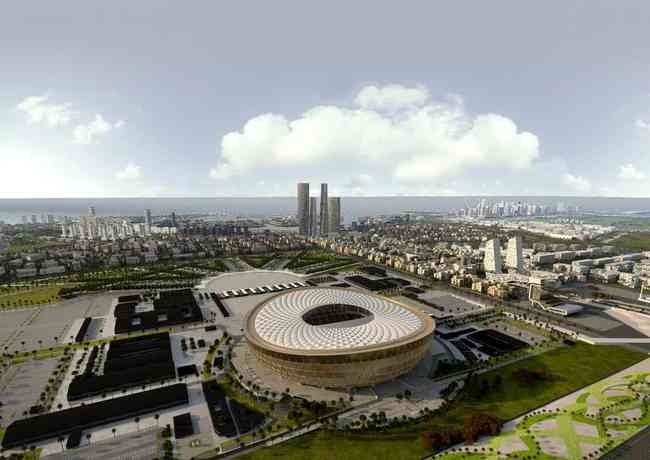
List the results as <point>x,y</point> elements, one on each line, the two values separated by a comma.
<point>577,183</point>
<point>84,134</point>
<point>359,183</point>
<point>425,141</point>
<point>644,125</point>
<point>130,172</point>
<point>39,110</point>
<point>629,172</point>
<point>391,97</point>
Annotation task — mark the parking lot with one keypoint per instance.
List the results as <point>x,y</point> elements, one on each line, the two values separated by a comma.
<point>21,387</point>
<point>22,329</point>
<point>141,445</point>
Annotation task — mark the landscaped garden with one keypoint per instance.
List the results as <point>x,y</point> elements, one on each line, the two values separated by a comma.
<point>506,393</point>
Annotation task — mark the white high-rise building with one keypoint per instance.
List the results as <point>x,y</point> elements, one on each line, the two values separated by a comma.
<point>303,211</point>
<point>492,260</point>
<point>515,253</point>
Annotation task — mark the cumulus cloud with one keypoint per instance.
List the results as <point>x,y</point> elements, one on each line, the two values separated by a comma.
<point>392,129</point>
<point>39,110</point>
<point>86,133</point>
<point>391,97</point>
<point>630,172</point>
<point>576,183</point>
<point>359,184</point>
<point>643,125</point>
<point>130,172</point>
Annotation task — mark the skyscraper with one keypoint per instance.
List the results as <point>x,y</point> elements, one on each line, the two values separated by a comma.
<point>91,211</point>
<point>514,255</point>
<point>313,218</point>
<point>334,218</point>
<point>492,260</point>
<point>173,219</point>
<point>303,208</point>
<point>324,226</point>
<point>147,221</point>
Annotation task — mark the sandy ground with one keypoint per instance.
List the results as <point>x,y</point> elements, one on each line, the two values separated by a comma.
<point>583,429</point>
<point>553,445</point>
<point>512,444</point>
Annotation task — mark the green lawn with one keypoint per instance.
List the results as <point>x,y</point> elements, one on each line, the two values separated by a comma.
<point>310,257</point>
<point>258,261</point>
<point>572,368</point>
<point>336,446</point>
<point>635,241</point>
<point>22,298</point>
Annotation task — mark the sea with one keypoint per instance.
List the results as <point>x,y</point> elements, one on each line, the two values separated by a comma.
<point>352,208</point>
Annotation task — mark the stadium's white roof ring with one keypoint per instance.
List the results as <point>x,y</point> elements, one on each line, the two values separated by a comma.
<point>332,319</point>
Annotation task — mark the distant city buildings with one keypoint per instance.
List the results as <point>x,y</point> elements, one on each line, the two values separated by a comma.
<point>487,209</point>
<point>492,260</point>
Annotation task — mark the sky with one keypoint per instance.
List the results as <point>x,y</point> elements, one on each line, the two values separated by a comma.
<point>201,99</point>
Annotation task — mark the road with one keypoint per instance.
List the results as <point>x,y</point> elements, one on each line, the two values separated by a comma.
<point>635,448</point>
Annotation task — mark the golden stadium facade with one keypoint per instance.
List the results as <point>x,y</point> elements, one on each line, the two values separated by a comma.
<point>337,338</point>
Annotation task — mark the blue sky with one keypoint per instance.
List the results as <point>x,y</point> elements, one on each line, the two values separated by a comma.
<point>157,98</point>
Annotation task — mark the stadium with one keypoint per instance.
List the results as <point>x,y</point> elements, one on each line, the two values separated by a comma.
<point>337,338</point>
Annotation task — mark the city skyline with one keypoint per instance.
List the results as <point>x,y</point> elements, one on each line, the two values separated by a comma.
<point>561,109</point>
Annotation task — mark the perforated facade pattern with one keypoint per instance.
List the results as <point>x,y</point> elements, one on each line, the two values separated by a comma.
<point>338,338</point>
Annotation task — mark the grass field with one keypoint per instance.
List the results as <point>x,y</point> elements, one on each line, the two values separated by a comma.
<point>19,299</point>
<point>257,261</point>
<point>635,241</point>
<point>311,257</point>
<point>572,368</point>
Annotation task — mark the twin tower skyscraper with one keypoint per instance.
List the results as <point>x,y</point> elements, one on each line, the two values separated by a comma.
<point>328,219</point>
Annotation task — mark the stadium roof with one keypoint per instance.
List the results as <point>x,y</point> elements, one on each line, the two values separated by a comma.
<point>280,321</point>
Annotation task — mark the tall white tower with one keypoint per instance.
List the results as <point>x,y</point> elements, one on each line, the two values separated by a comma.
<point>492,260</point>
<point>515,254</point>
